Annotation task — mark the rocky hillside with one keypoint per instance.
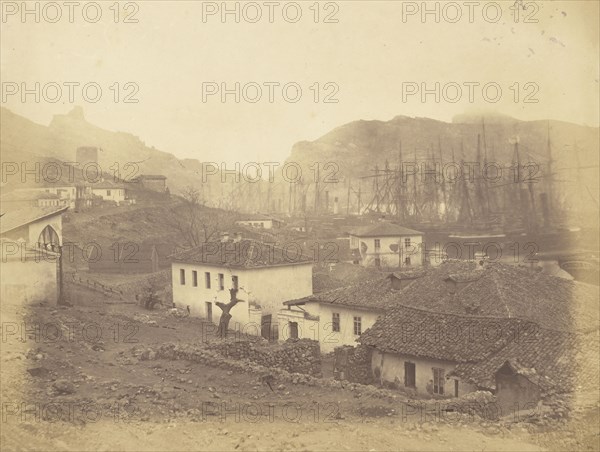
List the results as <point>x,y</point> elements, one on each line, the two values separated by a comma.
<point>358,146</point>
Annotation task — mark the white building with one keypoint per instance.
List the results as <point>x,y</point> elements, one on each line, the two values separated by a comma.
<point>385,244</point>
<point>336,317</point>
<point>264,275</point>
<point>31,238</point>
<point>259,221</point>
<point>109,191</point>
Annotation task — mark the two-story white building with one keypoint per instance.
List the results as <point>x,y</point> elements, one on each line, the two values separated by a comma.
<point>264,275</point>
<point>385,244</point>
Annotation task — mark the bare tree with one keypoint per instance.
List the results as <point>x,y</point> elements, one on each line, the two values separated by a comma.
<point>225,315</point>
<point>196,223</point>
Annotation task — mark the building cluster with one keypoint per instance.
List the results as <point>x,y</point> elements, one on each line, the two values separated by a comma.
<point>438,331</point>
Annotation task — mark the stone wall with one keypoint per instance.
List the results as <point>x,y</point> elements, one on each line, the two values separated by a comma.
<point>300,356</point>
<point>355,363</point>
<point>293,356</point>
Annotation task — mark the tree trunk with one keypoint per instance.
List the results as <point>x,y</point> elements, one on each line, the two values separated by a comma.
<point>225,314</point>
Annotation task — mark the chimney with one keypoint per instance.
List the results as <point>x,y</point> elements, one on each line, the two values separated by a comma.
<point>237,237</point>
<point>225,237</point>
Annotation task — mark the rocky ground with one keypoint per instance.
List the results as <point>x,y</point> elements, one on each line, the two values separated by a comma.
<point>88,377</point>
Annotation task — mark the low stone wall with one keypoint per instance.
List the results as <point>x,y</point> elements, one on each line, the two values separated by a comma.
<point>298,356</point>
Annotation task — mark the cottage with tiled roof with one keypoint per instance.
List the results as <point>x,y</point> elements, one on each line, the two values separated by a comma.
<point>265,276</point>
<point>385,244</point>
<point>464,326</point>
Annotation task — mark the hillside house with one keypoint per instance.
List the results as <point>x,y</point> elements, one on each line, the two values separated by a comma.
<point>452,330</point>
<point>31,238</point>
<point>385,244</point>
<point>259,221</point>
<point>109,190</point>
<point>154,182</point>
<point>264,275</point>
<point>30,198</point>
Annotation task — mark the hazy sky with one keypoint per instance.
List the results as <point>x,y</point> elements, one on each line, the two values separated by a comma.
<point>368,55</point>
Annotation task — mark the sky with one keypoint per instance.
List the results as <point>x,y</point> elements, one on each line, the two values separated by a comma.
<point>366,58</point>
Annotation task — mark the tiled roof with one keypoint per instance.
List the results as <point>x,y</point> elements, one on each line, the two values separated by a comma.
<point>504,291</point>
<point>12,219</point>
<point>383,229</point>
<point>242,254</point>
<point>436,335</point>
<point>554,361</point>
<point>366,294</point>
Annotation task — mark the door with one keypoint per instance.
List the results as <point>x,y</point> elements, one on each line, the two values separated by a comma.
<point>209,311</point>
<point>293,330</point>
<point>265,330</point>
<point>409,374</point>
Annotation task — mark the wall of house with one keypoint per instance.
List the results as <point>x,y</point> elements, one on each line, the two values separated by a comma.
<point>307,328</point>
<point>322,329</point>
<point>266,224</point>
<point>268,287</point>
<point>330,339</point>
<point>197,297</point>
<point>26,281</point>
<point>116,194</point>
<point>271,286</point>
<point>391,369</point>
<point>389,258</point>
<point>513,390</point>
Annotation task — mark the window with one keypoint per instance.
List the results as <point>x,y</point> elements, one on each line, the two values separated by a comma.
<point>377,262</point>
<point>194,278</point>
<point>438,381</point>
<point>335,322</point>
<point>455,388</point>
<point>207,279</point>
<point>377,244</point>
<point>407,261</point>
<point>407,243</point>
<point>409,374</point>
<point>221,281</point>
<point>234,282</point>
<point>357,326</point>
<point>182,277</point>
<point>107,192</point>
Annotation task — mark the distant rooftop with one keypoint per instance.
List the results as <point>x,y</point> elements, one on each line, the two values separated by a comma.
<point>383,229</point>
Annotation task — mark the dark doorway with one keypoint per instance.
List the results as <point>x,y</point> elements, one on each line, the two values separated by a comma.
<point>293,330</point>
<point>409,374</point>
<point>265,326</point>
